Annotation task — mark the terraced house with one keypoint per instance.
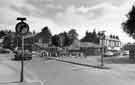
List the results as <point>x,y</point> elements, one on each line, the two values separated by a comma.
<point>111,42</point>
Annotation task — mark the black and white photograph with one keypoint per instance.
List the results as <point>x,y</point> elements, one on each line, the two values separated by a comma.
<point>67,42</point>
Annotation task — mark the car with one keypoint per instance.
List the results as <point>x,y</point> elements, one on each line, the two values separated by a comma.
<point>108,54</point>
<point>7,53</point>
<point>124,53</point>
<point>19,56</point>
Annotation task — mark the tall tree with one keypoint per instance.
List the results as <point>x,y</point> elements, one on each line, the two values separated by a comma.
<point>61,40</point>
<point>65,40</point>
<point>2,33</point>
<point>56,40</point>
<point>91,37</point>
<point>95,37</point>
<point>129,24</point>
<point>45,35</point>
<point>73,34</point>
<point>9,41</point>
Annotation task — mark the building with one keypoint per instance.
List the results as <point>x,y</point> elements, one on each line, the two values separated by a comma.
<point>112,43</point>
<point>87,48</point>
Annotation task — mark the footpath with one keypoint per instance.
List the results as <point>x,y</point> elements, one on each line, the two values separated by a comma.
<point>10,73</point>
<point>123,68</point>
<point>117,64</point>
<point>91,61</point>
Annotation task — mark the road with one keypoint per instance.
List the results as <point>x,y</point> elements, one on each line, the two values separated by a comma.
<point>54,72</point>
<point>61,73</point>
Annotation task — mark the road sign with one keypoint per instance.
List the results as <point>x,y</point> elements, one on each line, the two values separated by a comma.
<point>22,28</point>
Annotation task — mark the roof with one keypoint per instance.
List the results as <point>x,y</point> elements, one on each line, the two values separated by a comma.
<point>89,44</point>
<point>77,44</point>
<point>108,38</point>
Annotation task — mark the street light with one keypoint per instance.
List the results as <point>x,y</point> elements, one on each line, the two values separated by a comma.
<point>102,37</point>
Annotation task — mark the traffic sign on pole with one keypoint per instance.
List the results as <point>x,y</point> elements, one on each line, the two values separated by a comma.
<point>22,28</point>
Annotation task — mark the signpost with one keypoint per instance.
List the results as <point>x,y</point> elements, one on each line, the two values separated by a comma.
<point>22,29</point>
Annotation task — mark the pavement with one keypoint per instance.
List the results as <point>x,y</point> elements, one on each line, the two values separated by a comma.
<point>90,61</point>
<point>10,73</point>
<point>95,61</point>
<point>120,66</point>
<point>68,71</point>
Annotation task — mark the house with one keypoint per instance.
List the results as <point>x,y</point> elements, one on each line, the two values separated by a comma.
<point>85,48</point>
<point>89,48</point>
<point>111,43</point>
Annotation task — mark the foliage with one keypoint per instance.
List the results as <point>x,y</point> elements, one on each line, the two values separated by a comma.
<point>9,42</point>
<point>45,35</point>
<point>2,33</point>
<point>129,24</point>
<point>73,34</point>
<point>62,39</point>
<point>55,40</point>
<point>91,37</point>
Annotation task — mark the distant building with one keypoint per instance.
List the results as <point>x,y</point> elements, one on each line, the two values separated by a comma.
<point>112,43</point>
<point>87,48</point>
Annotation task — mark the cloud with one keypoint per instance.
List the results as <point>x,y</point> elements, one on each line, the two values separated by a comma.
<point>66,14</point>
<point>8,16</point>
<point>38,23</point>
<point>49,8</point>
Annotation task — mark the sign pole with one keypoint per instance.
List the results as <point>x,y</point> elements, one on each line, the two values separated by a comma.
<point>22,29</point>
<point>22,62</point>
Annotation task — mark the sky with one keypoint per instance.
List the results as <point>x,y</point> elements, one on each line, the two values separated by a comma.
<point>63,15</point>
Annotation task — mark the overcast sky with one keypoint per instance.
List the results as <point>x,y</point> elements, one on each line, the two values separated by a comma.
<point>62,15</point>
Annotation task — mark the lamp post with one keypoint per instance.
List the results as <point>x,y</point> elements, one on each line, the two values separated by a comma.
<point>102,37</point>
<point>22,29</point>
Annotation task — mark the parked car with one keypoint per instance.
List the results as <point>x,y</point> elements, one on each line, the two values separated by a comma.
<point>108,54</point>
<point>116,52</point>
<point>6,53</point>
<point>124,53</point>
<point>19,54</point>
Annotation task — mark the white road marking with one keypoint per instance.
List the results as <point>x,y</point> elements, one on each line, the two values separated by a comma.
<point>35,81</point>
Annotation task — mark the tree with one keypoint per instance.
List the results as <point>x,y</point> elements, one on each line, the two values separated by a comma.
<point>61,40</point>
<point>129,24</point>
<point>9,41</point>
<point>45,35</point>
<point>87,37</point>
<point>55,40</point>
<point>73,34</point>
<point>68,40</point>
<point>95,37</point>
<point>65,39</point>
<point>91,37</point>
<point>129,28</point>
<point>2,33</point>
